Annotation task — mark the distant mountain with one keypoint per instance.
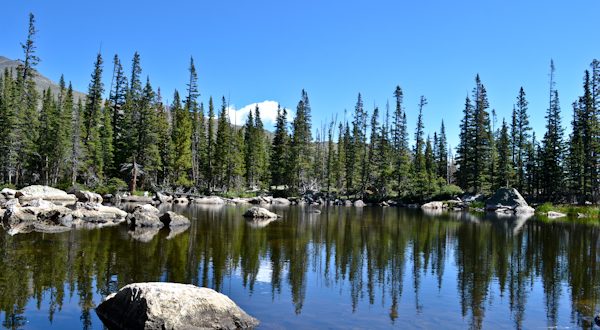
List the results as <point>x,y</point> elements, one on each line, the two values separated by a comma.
<point>42,83</point>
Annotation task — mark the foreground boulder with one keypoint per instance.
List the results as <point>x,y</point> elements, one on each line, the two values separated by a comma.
<point>508,200</point>
<point>144,216</point>
<point>433,206</point>
<point>256,212</point>
<point>171,306</point>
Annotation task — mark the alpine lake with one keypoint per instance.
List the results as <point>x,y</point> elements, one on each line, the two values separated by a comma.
<point>359,268</point>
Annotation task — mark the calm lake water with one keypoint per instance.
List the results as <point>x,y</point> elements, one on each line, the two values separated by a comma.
<point>345,268</point>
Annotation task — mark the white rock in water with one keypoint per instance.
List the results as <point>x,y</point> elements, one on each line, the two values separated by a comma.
<point>433,205</point>
<point>280,201</point>
<point>171,306</point>
<point>554,215</point>
<point>209,200</point>
<point>359,203</point>
<point>256,212</point>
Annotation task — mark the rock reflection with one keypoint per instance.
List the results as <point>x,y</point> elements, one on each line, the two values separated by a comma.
<point>375,256</point>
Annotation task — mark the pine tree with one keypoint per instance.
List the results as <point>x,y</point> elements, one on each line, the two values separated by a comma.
<point>92,119</point>
<point>339,168</point>
<point>77,153</point>
<point>250,159</point>
<point>505,168</point>
<point>442,155</point>
<point>165,144</point>
<point>521,137</point>
<point>147,155</point>
<point>182,149</point>
<point>127,142</point>
<point>301,149</point>
<point>419,161</point>
<point>191,106</point>
<point>279,150</point>
<point>222,146</point>
<point>552,146</point>
<point>400,144</point>
<point>117,98</point>
<point>482,139</point>
<point>210,145</point>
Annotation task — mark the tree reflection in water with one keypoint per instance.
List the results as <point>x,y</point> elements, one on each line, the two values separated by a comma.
<point>366,256</point>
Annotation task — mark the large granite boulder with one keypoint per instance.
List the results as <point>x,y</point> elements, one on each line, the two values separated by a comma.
<point>171,306</point>
<point>94,214</point>
<point>37,215</point>
<point>256,212</point>
<point>508,201</point>
<point>44,192</point>
<point>144,216</point>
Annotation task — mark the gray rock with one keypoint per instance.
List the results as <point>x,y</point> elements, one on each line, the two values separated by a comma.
<point>164,199</point>
<point>136,199</point>
<point>171,306</point>
<point>359,203</point>
<point>44,192</point>
<point>180,200</point>
<point>88,196</point>
<point>256,212</point>
<point>144,216</point>
<point>555,215</point>
<point>8,193</point>
<point>172,219</point>
<point>508,200</point>
<point>280,201</point>
<point>96,213</point>
<point>209,200</point>
<point>347,203</point>
<point>433,205</point>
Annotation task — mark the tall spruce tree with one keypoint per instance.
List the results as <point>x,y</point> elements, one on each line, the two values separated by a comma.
<point>521,131</point>
<point>92,121</point>
<point>552,146</point>
<point>301,148</point>
<point>279,150</point>
<point>182,146</point>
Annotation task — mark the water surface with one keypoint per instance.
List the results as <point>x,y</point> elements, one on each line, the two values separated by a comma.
<point>345,268</point>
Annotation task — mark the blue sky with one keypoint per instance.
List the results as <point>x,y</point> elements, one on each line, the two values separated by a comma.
<point>252,51</point>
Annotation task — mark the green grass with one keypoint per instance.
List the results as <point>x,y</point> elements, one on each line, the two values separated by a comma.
<point>569,210</point>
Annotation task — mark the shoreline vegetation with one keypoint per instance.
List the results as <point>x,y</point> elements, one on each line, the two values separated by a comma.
<point>125,138</point>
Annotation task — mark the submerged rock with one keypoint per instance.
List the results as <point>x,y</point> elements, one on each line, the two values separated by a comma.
<point>256,212</point>
<point>171,306</point>
<point>508,200</point>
